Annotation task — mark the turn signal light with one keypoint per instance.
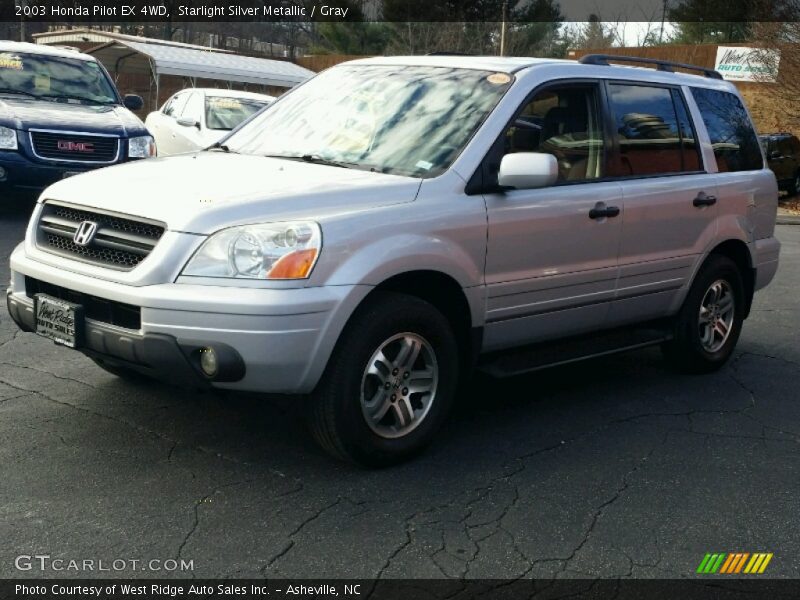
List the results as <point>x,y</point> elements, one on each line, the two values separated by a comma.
<point>295,265</point>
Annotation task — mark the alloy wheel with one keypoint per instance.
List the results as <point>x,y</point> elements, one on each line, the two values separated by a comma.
<point>716,316</point>
<point>399,385</point>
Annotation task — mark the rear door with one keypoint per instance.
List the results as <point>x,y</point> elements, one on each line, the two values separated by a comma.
<point>670,198</point>
<point>551,267</point>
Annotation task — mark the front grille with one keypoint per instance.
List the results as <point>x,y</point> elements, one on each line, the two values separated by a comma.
<point>119,242</point>
<point>75,147</point>
<point>97,309</point>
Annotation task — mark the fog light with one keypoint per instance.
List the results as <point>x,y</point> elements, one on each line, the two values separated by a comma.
<point>2,174</point>
<point>208,361</point>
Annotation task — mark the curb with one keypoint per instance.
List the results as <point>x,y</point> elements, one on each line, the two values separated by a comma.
<point>787,220</point>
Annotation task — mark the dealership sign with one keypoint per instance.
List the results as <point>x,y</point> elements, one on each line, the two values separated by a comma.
<point>739,63</point>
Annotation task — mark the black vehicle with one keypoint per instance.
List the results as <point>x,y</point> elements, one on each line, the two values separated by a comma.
<point>60,114</point>
<point>783,157</point>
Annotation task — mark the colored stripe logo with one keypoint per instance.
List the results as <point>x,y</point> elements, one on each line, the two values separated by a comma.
<point>734,563</point>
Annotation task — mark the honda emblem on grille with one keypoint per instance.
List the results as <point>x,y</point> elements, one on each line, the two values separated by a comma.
<point>85,233</point>
<point>70,146</point>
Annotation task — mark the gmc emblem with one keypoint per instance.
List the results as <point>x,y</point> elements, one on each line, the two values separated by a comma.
<point>69,146</point>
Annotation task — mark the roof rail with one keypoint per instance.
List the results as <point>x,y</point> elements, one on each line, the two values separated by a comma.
<point>449,54</point>
<point>663,65</point>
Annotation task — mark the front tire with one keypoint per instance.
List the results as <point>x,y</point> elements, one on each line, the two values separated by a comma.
<point>710,321</point>
<point>389,384</point>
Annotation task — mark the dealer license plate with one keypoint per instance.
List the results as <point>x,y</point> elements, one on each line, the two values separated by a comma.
<point>59,320</point>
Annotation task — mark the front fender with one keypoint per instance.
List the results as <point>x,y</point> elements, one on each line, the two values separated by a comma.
<point>380,260</point>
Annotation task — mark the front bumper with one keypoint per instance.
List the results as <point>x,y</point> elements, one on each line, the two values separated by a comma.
<point>156,355</point>
<point>283,336</point>
<point>23,175</point>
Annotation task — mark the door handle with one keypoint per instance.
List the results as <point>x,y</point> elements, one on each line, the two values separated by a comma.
<point>704,199</point>
<point>600,211</point>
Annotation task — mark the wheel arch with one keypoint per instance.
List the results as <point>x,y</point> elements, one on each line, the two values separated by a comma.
<point>739,252</point>
<point>447,295</point>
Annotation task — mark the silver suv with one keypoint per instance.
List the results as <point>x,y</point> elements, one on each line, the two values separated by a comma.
<point>381,230</point>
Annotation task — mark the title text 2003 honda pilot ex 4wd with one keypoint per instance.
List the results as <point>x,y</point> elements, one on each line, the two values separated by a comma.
<point>390,224</point>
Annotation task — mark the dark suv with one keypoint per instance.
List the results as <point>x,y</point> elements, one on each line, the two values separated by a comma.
<point>60,114</point>
<point>783,157</point>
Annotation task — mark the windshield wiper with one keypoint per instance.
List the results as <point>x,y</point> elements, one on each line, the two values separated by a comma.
<point>221,146</point>
<point>10,91</point>
<point>69,97</point>
<point>315,159</point>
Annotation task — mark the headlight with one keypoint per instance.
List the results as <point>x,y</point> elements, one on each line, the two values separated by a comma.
<point>268,251</point>
<point>8,139</point>
<point>141,147</point>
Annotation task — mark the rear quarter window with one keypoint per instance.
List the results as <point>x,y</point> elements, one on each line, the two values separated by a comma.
<point>733,138</point>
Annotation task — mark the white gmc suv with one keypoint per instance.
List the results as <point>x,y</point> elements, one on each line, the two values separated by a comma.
<point>392,223</point>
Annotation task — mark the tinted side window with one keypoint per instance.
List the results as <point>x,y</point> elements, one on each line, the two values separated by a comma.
<point>562,121</point>
<point>647,129</point>
<point>732,137</point>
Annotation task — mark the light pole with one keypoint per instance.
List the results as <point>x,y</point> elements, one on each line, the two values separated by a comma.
<point>503,29</point>
<point>21,4</point>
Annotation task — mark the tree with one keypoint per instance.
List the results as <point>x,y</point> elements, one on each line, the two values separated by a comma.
<point>694,22</point>
<point>537,30</point>
<point>473,27</point>
<point>595,34</point>
<point>353,38</point>
<point>780,50</point>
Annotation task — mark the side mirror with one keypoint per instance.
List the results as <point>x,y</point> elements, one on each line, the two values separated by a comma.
<point>527,170</point>
<point>188,122</point>
<point>132,102</point>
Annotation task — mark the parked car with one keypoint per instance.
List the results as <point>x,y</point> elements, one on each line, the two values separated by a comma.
<point>60,114</point>
<point>386,227</point>
<point>783,157</point>
<point>196,118</point>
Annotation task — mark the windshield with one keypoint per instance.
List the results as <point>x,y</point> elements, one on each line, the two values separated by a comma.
<point>54,78</point>
<point>224,112</point>
<point>401,120</point>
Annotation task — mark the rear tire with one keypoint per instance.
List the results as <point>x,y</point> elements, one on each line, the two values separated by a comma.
<point>389,384</point>
<point>706,329</point>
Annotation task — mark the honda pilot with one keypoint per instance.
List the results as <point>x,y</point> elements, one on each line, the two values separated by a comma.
<point>380,231</point>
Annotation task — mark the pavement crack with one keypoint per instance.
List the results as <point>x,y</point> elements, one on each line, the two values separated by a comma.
<point>196,515</point>
<point>11,339</point>
<point>50,373</point>
<point>302,525</point>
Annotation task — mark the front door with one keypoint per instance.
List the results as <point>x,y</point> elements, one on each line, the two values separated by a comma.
<point>551,264</point>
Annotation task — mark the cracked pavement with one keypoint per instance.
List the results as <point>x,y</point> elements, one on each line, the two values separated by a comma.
<point>615,467</point>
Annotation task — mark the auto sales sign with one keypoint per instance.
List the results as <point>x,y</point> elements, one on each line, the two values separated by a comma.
<point>740,63</point>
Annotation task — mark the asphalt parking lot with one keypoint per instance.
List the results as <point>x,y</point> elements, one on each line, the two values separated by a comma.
<point>615,467</point>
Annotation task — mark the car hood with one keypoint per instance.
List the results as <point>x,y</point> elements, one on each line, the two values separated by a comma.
<point>26,114</point>
<point>207,191</point>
